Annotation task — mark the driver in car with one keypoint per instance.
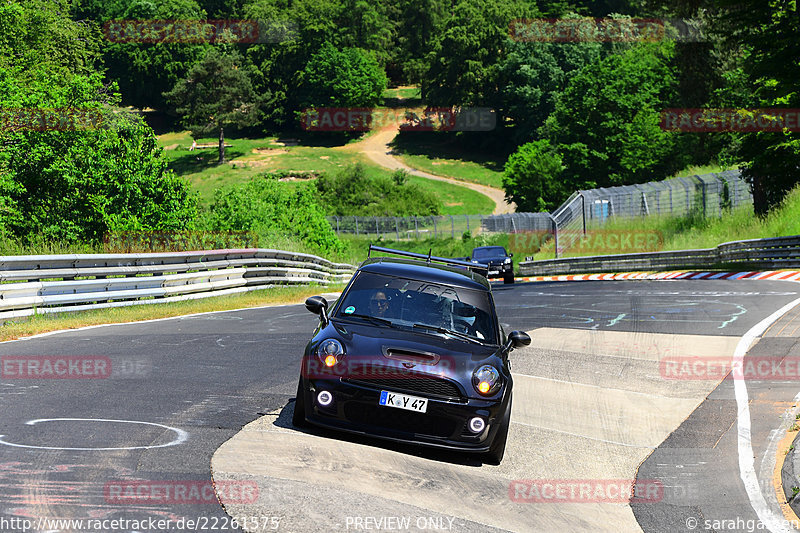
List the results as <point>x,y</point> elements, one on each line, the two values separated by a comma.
<point>379,304</point>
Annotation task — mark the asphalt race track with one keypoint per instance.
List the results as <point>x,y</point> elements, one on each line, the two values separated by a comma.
<point>163,403</point>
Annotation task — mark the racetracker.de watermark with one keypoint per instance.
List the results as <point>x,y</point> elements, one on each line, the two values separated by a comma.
<point>716,368</point>
<point>576,30</point>
<point>429,119</point>
<point>193,492</point>
<point>25,119</point>
<point>73,367</point>
<point>367,367</point>
<point>693,120</point>
<point>55,367</point>
<point>592,241</point>
<point>604,30</point>
<point>189,31</point>
<point>585,491</point>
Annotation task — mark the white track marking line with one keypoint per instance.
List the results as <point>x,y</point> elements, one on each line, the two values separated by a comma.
<point>747,471</point>
<point>180,437</point>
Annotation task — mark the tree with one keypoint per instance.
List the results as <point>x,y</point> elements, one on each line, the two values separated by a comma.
<point>349,77</point>
<point>35,33</point>
<point>534,74</point>
<point>532,177</point>
<point>145,70</point>
<point>606,126</point>
<point>215,94</point>
<point>765,34</point>
<point>420,22</point>
<point>463,68</point>
<point>77,181</point>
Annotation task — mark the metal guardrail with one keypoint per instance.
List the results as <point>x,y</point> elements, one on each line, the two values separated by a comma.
<point>75,282</point>
<point>776,252</point>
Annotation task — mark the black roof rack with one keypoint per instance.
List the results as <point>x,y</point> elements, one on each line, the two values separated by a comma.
<point>475,267</point>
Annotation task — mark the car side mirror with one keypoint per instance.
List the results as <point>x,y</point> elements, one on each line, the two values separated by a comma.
<point>319,306</point>
<point>517,339</point>
<point>510,254</point>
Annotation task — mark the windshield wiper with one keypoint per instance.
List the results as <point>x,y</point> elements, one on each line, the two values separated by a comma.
<point>373,319</point>
<point>446,331</point>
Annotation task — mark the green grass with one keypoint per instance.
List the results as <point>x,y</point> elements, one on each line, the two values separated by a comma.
<point>246,159</point>
<point>699,170</point>
<point>442,155</point>
<point>402,92</point>
<point>455,200</point>
<point>251,157</point>
<point>694,232</point>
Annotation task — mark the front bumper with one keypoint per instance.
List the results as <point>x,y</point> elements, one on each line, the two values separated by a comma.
<point>355,409</point>
<point>499,270</point>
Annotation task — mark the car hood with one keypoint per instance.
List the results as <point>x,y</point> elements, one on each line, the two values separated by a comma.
<point>409,351</point>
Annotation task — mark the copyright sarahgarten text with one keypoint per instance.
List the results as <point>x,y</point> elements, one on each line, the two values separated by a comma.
<point>734,524</point>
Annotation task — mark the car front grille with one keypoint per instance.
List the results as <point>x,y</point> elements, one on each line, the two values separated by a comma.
<point>414,385</point>
<point>400,420</point>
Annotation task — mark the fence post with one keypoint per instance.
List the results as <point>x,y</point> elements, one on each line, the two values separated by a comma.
<point>555,231</point>
<point>396,228</point>
<point>583,210</point>
<point>376,227</point>
<point>434,225</point>
<point>356,219</point>
<point>703,188</point>
<point>416,226</point>
<point>337,225</point>
<point>467,217</point>
<point>452,228</point>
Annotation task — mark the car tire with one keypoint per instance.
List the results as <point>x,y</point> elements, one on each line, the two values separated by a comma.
<point>508,278</point>
<point>299,416</point>
<point>495,454</point>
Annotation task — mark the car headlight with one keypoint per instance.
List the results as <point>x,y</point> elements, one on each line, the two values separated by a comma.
<point>507,260</point>
<point>330,351</point>
<point>486,380</point>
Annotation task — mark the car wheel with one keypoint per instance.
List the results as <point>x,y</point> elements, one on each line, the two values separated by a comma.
<point>495,454</point>
<point>508,278</point>
<point>299,416</point>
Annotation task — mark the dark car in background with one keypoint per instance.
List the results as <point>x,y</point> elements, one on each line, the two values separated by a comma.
<point>496,262</point>
<point>412,352</point>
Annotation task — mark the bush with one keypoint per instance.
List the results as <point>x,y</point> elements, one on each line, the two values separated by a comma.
<point>352,192</point>
<point>276,212</point>
<point>532,177</point>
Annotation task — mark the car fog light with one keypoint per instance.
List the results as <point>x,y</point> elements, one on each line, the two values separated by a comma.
<point>324,398</point>
<point>476,424</point>
<point>330,360</point>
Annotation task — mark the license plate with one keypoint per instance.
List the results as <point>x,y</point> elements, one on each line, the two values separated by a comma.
<point>402,401</point>
<point>491,272</point>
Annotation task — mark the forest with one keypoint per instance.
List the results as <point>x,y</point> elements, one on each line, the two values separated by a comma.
<point>571,112</point>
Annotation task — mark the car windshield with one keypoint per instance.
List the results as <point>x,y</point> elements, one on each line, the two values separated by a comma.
<point>414,303</point>
<point>485,253</point>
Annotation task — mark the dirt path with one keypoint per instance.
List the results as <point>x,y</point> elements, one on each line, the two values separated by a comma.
<point>377,148</point>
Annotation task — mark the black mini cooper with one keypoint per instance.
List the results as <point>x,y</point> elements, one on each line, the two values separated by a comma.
<point>411,352</point>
